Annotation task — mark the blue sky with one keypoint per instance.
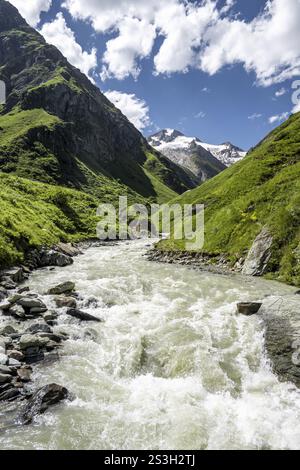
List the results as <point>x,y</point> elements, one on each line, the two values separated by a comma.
<point>237,94</point>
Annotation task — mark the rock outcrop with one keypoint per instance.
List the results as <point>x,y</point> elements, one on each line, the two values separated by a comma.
<point>256,263</point>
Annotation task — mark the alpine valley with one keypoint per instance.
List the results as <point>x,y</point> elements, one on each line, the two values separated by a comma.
<point>137,344</point>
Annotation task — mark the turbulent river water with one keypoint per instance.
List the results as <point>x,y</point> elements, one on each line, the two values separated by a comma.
<point>171,367</point>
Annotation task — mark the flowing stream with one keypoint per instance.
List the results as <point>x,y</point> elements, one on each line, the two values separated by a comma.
<point>171,367</point>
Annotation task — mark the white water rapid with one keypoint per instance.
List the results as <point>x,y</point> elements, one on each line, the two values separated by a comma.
<point>171,367</point>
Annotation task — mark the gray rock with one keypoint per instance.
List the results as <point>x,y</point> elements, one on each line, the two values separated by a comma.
<point>17,355</point>
<point>259,255</point>
<point>4,306</point>
<point>10,395</point>
<point>7,330</point>
<point>52,337</point>
<point>31,341</point>
<point>64,288</point>
<point>6,370</point>
<point>73,312</point>
<point>50,317</point>
<point>8,284</point>
<point>62,302</point>
<point>281,316</point>
<point>4,378</point>
<point>31,302</point>
<point>24,373</point>
<point>248,308</point>
<point>3,359</point>
<point>14,298</point>
<point>14,362</point>
<point>17,311</point>
<point>54,258</point>
<point>22,290</point>
<point>42,400</point>
<point>68,249</point>
<point>37,310</point>
<point>16,275</point>
<point>39,328</point>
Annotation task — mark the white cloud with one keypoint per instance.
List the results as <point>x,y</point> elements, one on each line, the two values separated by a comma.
<point>255,116</point>
<point>296,108</point>
<point>58,34</point>
<point>200,115</point>
<point>279,118</point>
<point>196,35</point>
<point>32,9</point>
<point>183,26</point>
<point>205,90</point>
<point>268,45</point>
<point>135,41</point>
<point>134,108</point>
<point>280,92</point>
<point>106,14</point>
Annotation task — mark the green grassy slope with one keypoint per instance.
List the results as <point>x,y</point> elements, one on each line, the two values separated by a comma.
<point>35,214</point>
<point>262,190</point>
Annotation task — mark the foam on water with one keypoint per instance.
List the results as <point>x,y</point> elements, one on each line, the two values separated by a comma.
<point>172,366</point>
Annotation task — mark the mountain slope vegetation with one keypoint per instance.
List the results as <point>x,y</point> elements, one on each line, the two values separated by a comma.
<point>263,190</point>
<point>57,127</point>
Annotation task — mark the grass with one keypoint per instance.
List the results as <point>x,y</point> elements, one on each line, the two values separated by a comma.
<point>262,190</point>
<point>35,214</point>
<point>18,123</point>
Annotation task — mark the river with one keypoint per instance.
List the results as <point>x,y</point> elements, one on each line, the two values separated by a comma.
<point>171,367</point>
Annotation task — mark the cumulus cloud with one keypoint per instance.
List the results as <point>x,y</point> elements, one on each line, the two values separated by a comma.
<point>199,35</point>
<point>134,108</point>
<point>135,41</point>
<point>268,45</point>
<point>60,35</point>
<point>254,116</point>
<point>183,26</point>
<point>31,10</point>
<point>280,92</point>
<point>200,115</point>
<point>278,118</point>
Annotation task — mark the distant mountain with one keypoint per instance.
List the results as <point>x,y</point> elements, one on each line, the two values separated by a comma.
<point>187,152</point>
<point>227,153</point>
<point>203,160</point>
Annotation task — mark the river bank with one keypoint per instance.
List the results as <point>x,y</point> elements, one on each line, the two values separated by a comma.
<point>170,340</point>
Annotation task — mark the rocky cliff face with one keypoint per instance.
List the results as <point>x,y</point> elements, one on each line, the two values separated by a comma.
<point>80,135</point>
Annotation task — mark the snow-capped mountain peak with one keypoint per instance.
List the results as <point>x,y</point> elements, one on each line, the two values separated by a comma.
<point>168,140</point>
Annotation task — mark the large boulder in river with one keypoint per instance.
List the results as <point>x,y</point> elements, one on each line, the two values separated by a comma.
<point>55,258</point>
<point>259,255</point>
<point>64,288</point>
<point>42,399</point>
<point>73,312</point>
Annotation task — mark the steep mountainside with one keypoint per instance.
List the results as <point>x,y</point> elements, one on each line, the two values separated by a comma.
<point>204,160</point>
<point>58,128</point>
<point>257,197</point>
<point>188,153</point>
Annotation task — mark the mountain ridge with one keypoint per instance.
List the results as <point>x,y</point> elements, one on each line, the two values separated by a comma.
<point>227,153</point>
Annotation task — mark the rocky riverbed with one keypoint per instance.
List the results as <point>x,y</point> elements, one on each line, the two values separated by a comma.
<point>27,331</point>
<point>122,343</point>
